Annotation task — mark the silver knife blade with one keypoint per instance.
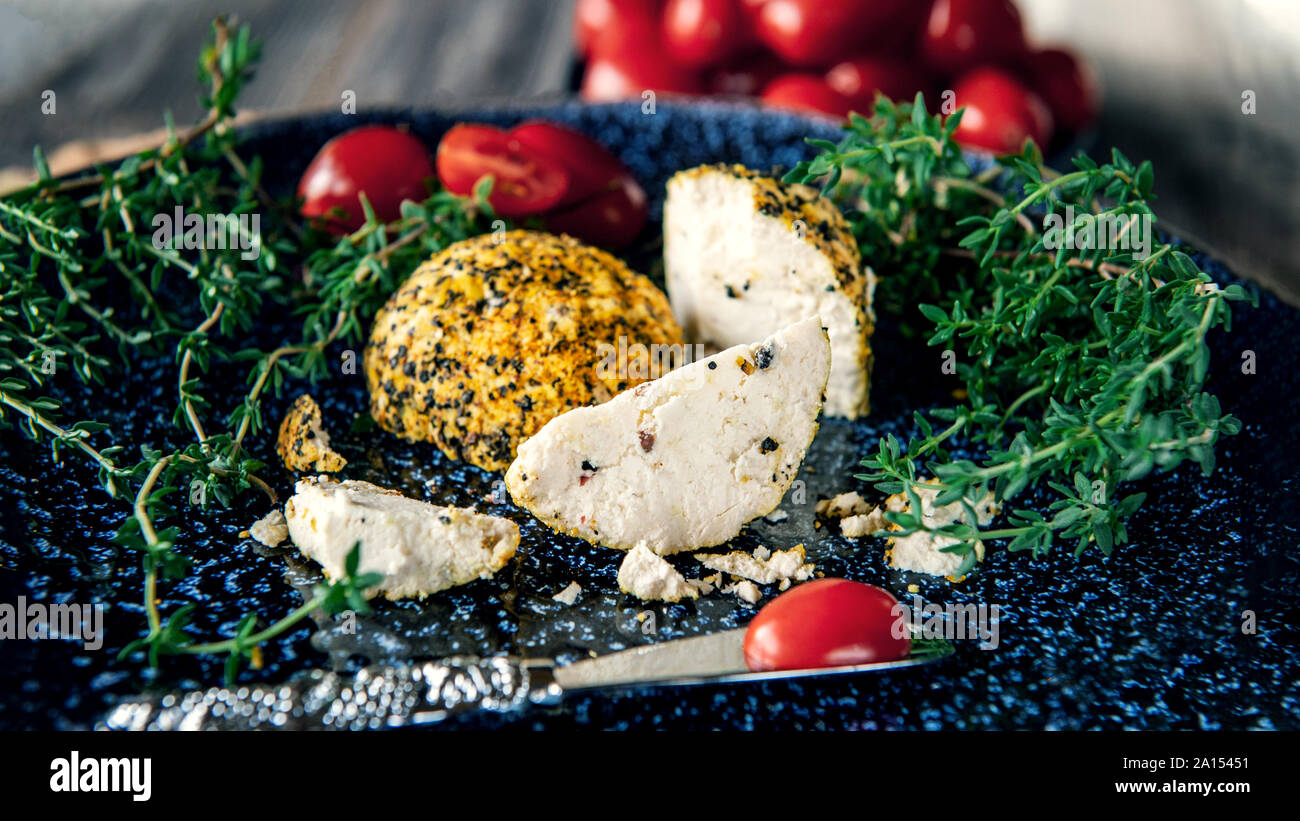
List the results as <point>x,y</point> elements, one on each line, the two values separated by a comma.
<point>715,658</point>
<point>696,657</point>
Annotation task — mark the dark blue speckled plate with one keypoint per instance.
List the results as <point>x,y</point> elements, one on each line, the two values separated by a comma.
<point>1149,638</point>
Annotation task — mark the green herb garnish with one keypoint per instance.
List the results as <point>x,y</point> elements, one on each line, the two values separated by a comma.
<point>1082,366</point>
<point>65,245</point>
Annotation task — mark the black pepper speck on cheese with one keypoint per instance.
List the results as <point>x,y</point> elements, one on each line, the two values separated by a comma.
<point>495,335</point>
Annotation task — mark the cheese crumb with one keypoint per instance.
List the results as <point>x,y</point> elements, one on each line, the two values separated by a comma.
<point>747,591</point>
<point>568,595</point>
<point>271,529</point>
<point>922,552</point>
<point>303,443</point>
<point>649,576</point>
<point>845,504</point>
<point>863,524</point>
<point>763,567</point>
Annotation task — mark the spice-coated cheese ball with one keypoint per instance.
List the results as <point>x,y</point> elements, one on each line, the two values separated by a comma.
<point>495,335</point>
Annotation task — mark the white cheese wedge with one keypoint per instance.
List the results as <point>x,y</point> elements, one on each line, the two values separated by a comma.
<point>745,254</point>
<point>649,576</point>
<point>686,460</point>
<point>418,547</point>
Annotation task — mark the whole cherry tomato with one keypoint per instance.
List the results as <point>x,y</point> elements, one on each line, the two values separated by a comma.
<point>960,34</point>
<point>701,33</point>
<point>1066,83</point>
<point>633,72</point>
<point>603,26</point>
<point>386,164</point>
<point>604,203</point>
<point>860,78</point>
<point>523,181</point>
<point>746,75</point>
<point>806,92</point>
<point>819,32</point>
<point>1001,113</point>
<point>826,623</point>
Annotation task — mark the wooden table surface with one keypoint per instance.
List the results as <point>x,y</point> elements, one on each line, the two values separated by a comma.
<point>1174,72</point>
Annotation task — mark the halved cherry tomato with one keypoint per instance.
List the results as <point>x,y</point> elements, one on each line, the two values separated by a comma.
<point>605,26</point>
<point>604,203</point>
<point>860,78</point>
<point>806,92</point>
<point>592,169</point>
<point>1001,113</point>
<point>826,623</point>
<point>387,164</point>
<point>523,181</point>
<point>1067,84</point>
<point>818,32</point>
<point>701,33</point>
<point>960,34</point>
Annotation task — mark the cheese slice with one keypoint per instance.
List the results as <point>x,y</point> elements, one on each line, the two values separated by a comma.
<point>419,548</point>
<point>745,255</point>
<point>686,460</point>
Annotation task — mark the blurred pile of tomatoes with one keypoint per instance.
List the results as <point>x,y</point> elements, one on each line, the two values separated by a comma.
<point>832,56</point>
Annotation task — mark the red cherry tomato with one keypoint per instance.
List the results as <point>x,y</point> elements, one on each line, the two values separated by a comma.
<point>746,76</point>
<point>818,32</point>
<point>604,204</point>
<point>1000,112</point>
<point>962,33</point>
<point>826,623</point>
<point>860,78</point>
<point>701,33</point>
<point>523,182</point>
<point>805,92</point>
<point>1067,84</point>
<point>610,219</point>
<point>386,164</point>
<point>603,26</point>
<point>629,74</point>
<point>591,168</point>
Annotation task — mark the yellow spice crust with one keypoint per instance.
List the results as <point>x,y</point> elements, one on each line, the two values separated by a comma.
<point>496,335</point>
<point>300,444</point>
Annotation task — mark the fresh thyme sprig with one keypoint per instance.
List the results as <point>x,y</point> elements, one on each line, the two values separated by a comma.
<point>1083,367</point>
<point>80,277</point>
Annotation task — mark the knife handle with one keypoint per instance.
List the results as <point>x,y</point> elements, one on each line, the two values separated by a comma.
<point>378,696</point>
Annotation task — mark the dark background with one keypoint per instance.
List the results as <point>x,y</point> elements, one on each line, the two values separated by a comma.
<point>1173,73</point>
